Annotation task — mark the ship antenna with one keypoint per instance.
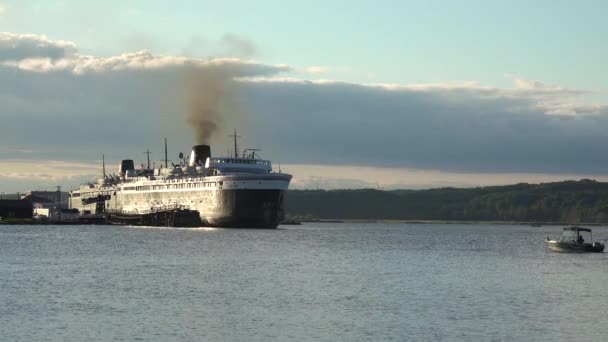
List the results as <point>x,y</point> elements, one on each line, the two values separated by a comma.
<point>166,158</point>
<point>252,150</point>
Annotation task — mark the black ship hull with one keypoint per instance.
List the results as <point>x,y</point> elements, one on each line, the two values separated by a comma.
<point>246,208</point>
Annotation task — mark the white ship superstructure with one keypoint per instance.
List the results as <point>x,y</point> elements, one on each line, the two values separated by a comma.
<point>227,192</point>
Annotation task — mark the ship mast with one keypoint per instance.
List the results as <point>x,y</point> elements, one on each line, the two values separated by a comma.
<point>166,158</point>
<point>148,153</point>
<point>236,149</point>
<point>103,163</point>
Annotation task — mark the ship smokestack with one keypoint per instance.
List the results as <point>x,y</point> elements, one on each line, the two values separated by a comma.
<point>199,154</point>
<point>126,165</point>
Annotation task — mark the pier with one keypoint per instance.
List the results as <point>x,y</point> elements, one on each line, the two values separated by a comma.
<point>173,216</point>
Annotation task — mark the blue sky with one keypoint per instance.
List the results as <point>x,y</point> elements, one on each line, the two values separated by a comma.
<point>560,42</point>
<point>425,93</point>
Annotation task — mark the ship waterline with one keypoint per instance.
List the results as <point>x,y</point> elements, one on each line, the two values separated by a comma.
<point>240,192</point>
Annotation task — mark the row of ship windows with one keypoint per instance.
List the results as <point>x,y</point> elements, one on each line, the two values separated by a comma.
<point>166,187</point>
<point>241,161</point>
<point>172,186</point>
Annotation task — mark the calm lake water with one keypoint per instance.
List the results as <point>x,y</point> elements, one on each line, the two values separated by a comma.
<point>333,282</point>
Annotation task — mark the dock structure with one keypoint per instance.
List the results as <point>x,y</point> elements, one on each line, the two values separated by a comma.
<point>158,217</point>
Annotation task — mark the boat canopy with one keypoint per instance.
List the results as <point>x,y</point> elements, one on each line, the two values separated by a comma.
<point>577,229</point>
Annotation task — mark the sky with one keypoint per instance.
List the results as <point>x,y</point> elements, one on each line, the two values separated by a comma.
<point>343,94</point>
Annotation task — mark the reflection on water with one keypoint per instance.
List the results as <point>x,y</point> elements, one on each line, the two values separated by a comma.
<point>315,281</point>
<point>208,229</point>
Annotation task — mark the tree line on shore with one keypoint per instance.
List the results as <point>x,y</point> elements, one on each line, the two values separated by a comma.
<point>584,201</point>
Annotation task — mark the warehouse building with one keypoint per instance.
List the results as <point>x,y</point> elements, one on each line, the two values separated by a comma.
<point>16,209</point>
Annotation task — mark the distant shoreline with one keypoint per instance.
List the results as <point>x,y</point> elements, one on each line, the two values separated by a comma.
<point>577,202</point>
<point>510,223</point>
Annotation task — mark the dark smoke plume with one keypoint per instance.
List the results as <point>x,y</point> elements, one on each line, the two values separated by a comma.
<point>211,92</point>
<point>208,93</point>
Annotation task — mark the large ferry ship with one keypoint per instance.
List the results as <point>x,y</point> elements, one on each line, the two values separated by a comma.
<point>234,191</point>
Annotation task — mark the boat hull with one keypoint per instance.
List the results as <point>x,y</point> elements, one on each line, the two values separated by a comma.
<point>564,247</point>
<point>233,201</point>
<point>246,208</point>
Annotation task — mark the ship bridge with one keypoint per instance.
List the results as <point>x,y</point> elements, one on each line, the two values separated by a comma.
<point>231,164</point>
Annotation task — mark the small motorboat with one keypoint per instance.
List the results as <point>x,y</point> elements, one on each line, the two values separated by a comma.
<point>572,241</point>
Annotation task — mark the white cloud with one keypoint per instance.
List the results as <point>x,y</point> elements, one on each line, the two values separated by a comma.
<point>46,170</point>
<point>552,100</point>
<point>321,69</point>
<point>37,53</point>
<point>142,60</point>
<point>65,105</point>
<point>317,70</point>
<point>14,47</point>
